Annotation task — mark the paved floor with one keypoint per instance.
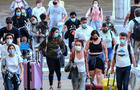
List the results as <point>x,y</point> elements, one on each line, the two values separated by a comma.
<point>80,6</point>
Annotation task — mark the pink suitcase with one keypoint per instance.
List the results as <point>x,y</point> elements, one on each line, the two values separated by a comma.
<point>33,75</point>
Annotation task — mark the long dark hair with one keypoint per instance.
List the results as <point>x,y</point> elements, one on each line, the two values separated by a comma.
<point>50,37</point>
<point>17,9</point>
<point>94,32</point>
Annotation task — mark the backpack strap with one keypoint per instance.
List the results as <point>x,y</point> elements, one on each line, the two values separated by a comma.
<point>73,55</point>
<point>91,10</point>
<point>116,47</point>
<point>135,21</point>
<point>111,34</point>
<point>129,51</point>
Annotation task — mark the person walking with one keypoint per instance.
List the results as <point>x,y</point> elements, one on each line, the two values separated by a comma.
<point>109,38</point>
<point>79,59</point>
<point>10,68</point>
<point>97,49</point>
<point>123,56</point>
<point>134,33</point>
<point>54,47</point>
<point>96,15</point>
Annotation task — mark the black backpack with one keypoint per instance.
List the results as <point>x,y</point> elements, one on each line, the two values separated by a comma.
<point>129,51</point>
<point>136,31</point>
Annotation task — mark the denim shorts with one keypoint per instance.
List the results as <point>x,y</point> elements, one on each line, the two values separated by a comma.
<point>96,61</point>
<point>110,53</point>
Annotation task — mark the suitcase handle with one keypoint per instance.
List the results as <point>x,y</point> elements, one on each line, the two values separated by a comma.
<point>109,79</point>
<point>91,83</point>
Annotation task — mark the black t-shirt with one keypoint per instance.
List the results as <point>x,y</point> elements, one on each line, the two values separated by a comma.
<point>14,32</point>
<point>71,24</point>
<point>18,23</point>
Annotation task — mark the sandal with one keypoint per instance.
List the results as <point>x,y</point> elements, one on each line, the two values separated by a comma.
<point>59,85</point>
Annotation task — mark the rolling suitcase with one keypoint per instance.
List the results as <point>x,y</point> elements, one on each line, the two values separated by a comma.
<point>33,74</point>
<point>109,83</point>
<point>92,86</point>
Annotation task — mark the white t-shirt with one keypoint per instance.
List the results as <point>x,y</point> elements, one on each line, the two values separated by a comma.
<point>131,24</point>
<point>122,56</point>
<point>108,38</point>
<point>11,63</point>
<point>38,11</point>
<point>5,53</point>
<point>80,63</point>
<point>83,34</point>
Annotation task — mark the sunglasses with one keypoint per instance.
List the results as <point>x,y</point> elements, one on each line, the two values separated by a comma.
<point>9,22</point>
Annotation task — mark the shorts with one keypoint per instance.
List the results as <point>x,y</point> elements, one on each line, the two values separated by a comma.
<point>110,53</point>
<point>96,61</point>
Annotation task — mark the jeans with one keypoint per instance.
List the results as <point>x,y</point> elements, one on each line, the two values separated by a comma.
<point>53,65</point>
<point>79,82</point>
<point>122,77</point>
<point>136,47</point>
<point>95,24</point>
<point>11,84</point>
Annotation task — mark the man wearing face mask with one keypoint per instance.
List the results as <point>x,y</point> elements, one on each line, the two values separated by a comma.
<point>84,31</point>
<point>9,40</point>
<point>33,28</point>
<point>109,38</point>
<point>21,4</point>
<point>57,15</point>
<point>123,56</point>
<point>10,29</point>
<point>38,10</point>
<point>71,24</point>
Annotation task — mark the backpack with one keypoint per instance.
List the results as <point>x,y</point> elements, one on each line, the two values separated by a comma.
<point>132,12</point>
<point>129,51</point>
<point>73,55</point>
<point>136,31</point>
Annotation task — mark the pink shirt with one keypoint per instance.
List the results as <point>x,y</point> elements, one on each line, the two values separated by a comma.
<point>96,14</point>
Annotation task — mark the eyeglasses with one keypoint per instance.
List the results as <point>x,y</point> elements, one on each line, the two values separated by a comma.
<point>9,22</point>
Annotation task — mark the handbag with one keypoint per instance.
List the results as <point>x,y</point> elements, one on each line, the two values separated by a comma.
<point>68,67</point>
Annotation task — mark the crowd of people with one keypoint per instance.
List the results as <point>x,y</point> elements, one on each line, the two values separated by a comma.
<point>92,44</point>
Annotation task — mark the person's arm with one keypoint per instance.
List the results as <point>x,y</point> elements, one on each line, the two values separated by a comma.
<point>12,9</point>
<point>21,70</point>
<point>126,18</point>
<point>18,41</point>
<point>130,29</point>
<point>25,4</point>
<point>105,50</point>
<point>88,12</point>
<point>48,14</point>
<point>133,60</point>
<point>87,46</point>
<point>86,63</point>
<point>64,14</point>
<point>3,65</point>
<point>101,15</point>
<point>113,63</point>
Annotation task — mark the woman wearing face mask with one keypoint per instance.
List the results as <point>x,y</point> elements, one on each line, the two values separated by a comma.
<point>10,69</point>
<point>109,38</point>
<point>19,21</point>
<point>97,49</point>
<point>38,10</point>
<point>19,4</point>
<point>96,15</point>
<point>78,57</point>
<point>54,46</point>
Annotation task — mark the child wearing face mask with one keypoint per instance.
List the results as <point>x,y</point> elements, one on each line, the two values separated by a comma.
<point>38,10</point>
<point>10,69</point>
<point>96,15</point>
<point>79,59</point>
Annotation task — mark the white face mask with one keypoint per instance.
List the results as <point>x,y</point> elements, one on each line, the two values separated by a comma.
<point>95,5</point>
<point>9,41</point>
<point>39,5</point>
<point>78,48</point>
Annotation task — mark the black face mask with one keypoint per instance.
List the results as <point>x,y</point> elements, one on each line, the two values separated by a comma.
<point>105,31</point>
<point>54,3</point>
<point>95,39</point>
